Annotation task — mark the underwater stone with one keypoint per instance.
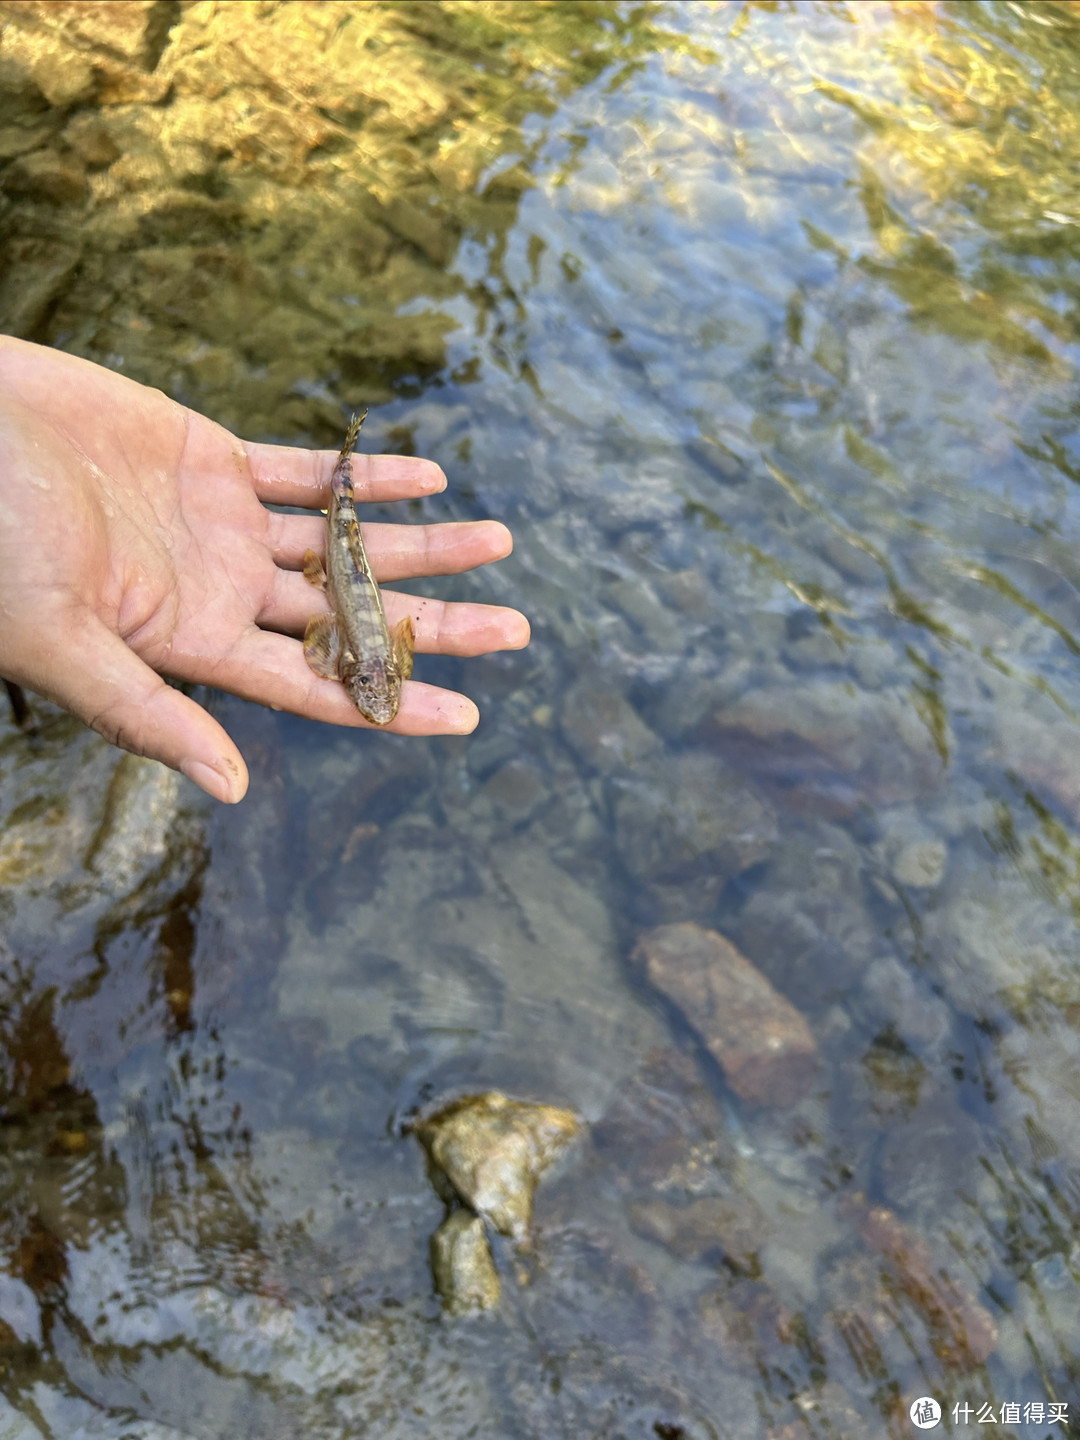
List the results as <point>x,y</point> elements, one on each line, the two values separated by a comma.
<point>65,79</point>
<point>140,814</point>
<point>604,729</point>
<point>760,1040</point>
<point>1044,755</point>
<point>465,1274</point>
<point>921,865</point>
<point>491,1150</point>
<point>665,1128</point>
<point>516,790</point>
<point>708,1228</point>
<point>92,140</point>
<point>689,816</point>
<point>132,31</point>
<point>45,177</point>
<point>829,747</point>
<point>962,1332</point>
<point>809,915</point>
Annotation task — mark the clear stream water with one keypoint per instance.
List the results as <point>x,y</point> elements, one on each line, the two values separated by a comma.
<point>757,324</point>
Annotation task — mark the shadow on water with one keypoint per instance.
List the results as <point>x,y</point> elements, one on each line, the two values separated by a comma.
<point>758,323</point>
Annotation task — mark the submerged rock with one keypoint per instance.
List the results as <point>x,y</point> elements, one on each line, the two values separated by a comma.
<point>822,747</point>
<point>962,1332</point>
<point>486,1153</point>
<point>921,865</point>
<point>516,791</point>
<point>465,1274</point>
<point>909,853</point>
<point>745,1321</point>
<point>489,1151</point>
<point>760,1040</point>
<point>687,824</point>
<point>809,915</point>
<point>1044,755</point>
<point>86,826</point>
<point>710,1228</point>
<point>46,177</point>
<point>141,806</point>
<point>603,728</point>
<point>665,1129</point>
<point>996,945</point>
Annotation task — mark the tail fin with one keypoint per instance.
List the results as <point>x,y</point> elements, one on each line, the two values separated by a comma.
<point>351,435</point>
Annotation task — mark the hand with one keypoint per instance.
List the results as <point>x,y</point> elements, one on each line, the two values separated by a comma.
<point>133,544</point>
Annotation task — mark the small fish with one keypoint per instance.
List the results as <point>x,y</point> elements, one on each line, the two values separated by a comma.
<point>353,643</point>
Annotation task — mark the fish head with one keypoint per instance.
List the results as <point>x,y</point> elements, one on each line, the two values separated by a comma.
<point>374,690</point>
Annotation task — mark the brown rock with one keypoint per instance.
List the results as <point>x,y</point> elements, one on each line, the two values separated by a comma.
<point>432,235</point>
<point>761,1041</point>
<point>746,1321</point>
<point>516,789</point>
<point>177,217</point>
<point>120,84</point>
<point>21,102</point>
<point>962,1332</point>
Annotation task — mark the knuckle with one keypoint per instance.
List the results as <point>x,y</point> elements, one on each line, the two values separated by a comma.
<point>116,725</point>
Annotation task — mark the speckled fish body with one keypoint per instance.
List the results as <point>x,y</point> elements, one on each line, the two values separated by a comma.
<point>353,643</point>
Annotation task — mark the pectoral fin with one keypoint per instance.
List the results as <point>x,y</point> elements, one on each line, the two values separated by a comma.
<point>314,570</point>
<point>402,641</point>
<point>322,645</point>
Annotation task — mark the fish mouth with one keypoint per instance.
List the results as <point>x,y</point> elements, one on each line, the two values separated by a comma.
<point>377,711</point>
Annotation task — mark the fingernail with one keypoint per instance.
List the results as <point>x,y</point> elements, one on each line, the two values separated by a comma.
<point>208,779</point>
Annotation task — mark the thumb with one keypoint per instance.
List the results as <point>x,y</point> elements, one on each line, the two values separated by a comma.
<point>111,689</point>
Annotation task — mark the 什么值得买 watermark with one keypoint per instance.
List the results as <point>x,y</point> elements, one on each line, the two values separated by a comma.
<point>925,1413</point>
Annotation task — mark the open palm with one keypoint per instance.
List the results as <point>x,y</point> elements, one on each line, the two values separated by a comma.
<point>134,544</point>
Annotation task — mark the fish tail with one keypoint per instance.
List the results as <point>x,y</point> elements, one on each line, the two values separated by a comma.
<point>352,434</point>
<point>341,480</point>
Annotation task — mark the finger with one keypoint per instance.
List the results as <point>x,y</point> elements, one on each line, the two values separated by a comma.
<point>287,475</point>
<point>271,669</point>
<point>440,627</point>
<point>398,552</point>
<point>458,628</point>
<point>125,701</point>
